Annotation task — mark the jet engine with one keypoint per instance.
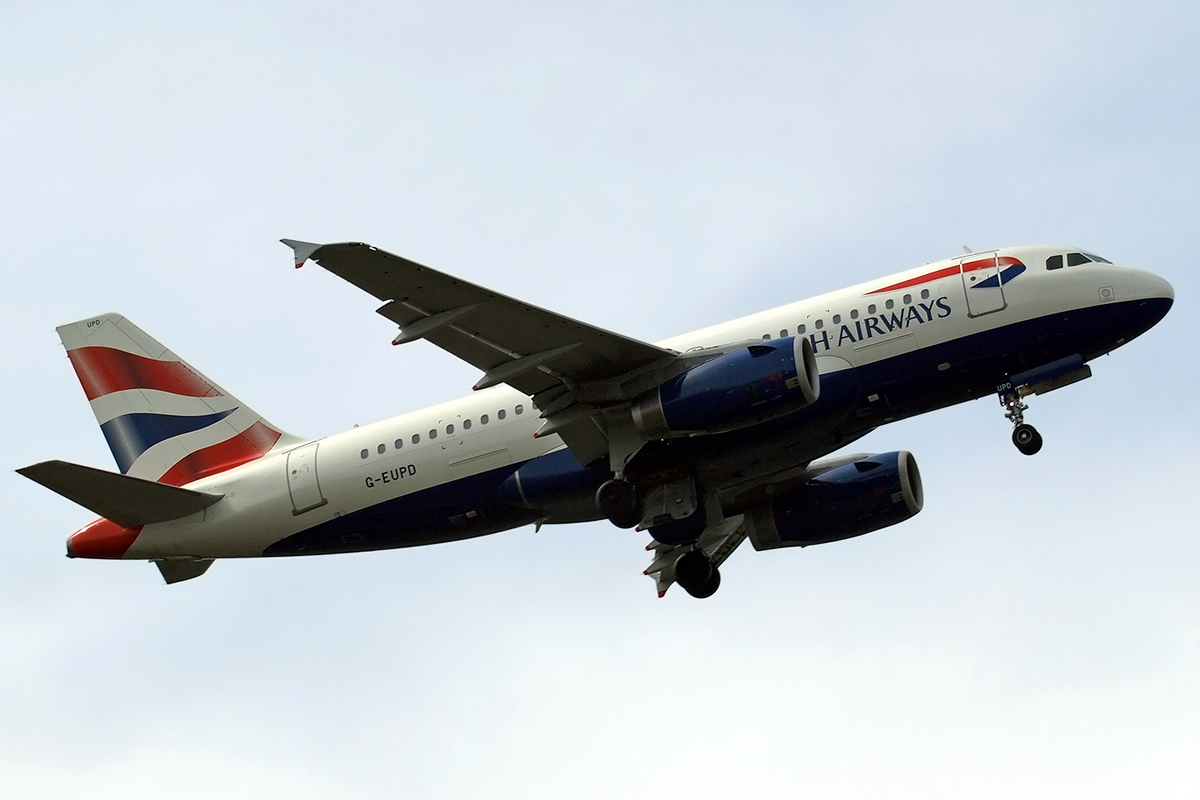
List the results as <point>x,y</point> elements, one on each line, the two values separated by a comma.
<point>557,486</point>
<point>750,385</point>
<point>863,496</point>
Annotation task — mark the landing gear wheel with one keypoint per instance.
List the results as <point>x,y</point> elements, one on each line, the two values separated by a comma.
<point>617,499</point>
<point>1027,439</point>
<point>696,574</point>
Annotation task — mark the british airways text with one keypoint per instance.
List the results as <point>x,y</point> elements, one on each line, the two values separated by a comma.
<point>881,325</point>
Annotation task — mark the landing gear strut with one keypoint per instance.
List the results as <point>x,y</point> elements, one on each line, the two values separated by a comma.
<point>1024,436</point>
<point>617,499</point>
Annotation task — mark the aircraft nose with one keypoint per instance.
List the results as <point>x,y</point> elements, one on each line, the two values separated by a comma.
<point>1163,289</point>
<point>1154,298</point>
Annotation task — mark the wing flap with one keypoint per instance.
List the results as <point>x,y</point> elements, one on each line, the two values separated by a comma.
<point>123,499</point>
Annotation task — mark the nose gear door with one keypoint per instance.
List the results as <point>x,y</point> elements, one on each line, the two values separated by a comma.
<point>302,479</point>
<point>981,281</point>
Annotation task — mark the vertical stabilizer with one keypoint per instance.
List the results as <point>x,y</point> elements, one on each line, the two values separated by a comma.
<point>163,420</point>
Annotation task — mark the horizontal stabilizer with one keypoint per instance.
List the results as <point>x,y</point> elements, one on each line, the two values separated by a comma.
<point>123,499</point>
<point>175,570</point>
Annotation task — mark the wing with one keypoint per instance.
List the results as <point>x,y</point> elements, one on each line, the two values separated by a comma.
<point>569,368</point>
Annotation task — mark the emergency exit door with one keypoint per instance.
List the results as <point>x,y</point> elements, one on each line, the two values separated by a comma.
<point>303,485</point>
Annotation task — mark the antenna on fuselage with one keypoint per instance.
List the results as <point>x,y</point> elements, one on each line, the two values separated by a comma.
<point>967,250</point>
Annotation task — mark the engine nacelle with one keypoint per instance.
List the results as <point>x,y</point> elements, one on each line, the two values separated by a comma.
<point>754,384</point>
<point>557,486</point>
<point>866,495</point>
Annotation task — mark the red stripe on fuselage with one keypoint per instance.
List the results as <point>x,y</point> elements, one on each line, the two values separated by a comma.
<point>104,370</point>
<point>102,539</point>
<point>250,445</point>
<point>970,266</point>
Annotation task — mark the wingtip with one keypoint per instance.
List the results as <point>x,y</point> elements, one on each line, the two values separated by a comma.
<point>301,251</point>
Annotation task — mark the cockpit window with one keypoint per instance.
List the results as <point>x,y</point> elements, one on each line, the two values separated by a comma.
<point>1054,262</point>
<point>1095,257</point>
<point>1075,259</point>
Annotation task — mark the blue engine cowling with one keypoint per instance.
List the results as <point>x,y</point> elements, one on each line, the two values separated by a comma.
<point>754,384</point>
<point>863,496</point>
<point>556,486</point>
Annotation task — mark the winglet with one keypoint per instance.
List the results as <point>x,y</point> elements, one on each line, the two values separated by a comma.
<point>302,250</point>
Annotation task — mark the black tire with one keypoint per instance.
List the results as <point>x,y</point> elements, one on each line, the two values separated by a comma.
<point>1027,439</point>
<point>618,501</point>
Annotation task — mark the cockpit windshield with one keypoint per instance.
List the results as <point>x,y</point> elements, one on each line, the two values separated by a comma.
<point>1074,260</point>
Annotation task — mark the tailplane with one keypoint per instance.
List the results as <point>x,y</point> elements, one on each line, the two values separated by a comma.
<point>163,420</point>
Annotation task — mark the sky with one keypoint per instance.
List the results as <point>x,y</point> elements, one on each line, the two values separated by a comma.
<point>651,168</point>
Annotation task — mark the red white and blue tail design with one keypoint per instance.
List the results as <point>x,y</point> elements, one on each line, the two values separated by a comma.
<point>163,420</point>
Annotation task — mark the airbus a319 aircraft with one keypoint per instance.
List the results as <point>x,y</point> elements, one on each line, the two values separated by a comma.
<point>704,440</point>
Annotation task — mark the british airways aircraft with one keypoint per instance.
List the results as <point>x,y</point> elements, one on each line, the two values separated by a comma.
<point>703,440</point>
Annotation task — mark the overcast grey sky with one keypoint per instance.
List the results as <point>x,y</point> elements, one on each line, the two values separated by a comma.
<point>651,168</point>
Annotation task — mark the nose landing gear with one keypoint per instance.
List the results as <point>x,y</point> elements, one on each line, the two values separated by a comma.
<point>1024,436</point>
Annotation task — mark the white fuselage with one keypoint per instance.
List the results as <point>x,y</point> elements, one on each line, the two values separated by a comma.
<point>419,451</point>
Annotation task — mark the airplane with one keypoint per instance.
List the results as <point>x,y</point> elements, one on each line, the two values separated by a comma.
<point>703,441</point>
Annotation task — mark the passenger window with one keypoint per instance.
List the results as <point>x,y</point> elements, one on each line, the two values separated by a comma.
<point>483,420</point>
<point>924,294</point>
<point>399,443</point>
<point>908,299</point>
<point>466,424</point>
<point>871,309</point>
<point>416,438</point>
<point>801,329</point>
<point>820,324</point>
<point>837,319</point>
<point>854,313</point>
<point>449,430</point>
<point>520,410</point>
<point>364,454</point>
<point>1075,259</point>
<point>783,334</point>
<point>433,433</point>
<point>890,303</point>
<point>500,414</point>
<point>766,336</point>
<point>1054,262</point>
<point>381,449</point>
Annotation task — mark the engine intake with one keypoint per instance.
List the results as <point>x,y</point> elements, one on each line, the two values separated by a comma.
<point>754,384</point>
<point>864,496</point>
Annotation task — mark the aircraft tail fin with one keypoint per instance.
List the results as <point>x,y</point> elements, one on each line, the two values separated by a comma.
<point>125,500</point>
<point>164,421</point>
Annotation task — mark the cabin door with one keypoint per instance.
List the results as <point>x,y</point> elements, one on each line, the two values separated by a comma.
<point>981,281</point>
<point>302,479</point>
